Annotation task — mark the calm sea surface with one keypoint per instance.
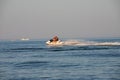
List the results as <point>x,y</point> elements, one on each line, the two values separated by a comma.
<point>34,60</point>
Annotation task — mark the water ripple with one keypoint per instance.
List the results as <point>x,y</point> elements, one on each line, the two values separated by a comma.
<point>31,64</point>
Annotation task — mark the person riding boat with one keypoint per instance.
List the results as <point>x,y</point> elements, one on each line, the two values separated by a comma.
<point>54,39</point>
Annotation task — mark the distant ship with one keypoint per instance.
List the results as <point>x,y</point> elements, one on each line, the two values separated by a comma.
<point>25,39</point>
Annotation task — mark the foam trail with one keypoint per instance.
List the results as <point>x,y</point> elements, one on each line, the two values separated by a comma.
<point>76,42</point>
<point>108,43</point>
<point>86,43</point>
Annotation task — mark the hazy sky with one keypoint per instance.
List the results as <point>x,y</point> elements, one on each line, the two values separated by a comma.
<point>38,19</point>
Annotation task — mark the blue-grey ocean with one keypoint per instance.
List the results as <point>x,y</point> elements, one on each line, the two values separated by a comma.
<point>89,59</point>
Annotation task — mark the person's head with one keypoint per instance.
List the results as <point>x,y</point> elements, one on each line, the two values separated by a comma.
<point>55,38</point>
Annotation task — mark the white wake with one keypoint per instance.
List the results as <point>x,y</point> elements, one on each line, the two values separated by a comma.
<point>86,43</point>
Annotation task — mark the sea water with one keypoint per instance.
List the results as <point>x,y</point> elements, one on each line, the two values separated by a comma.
<point>97,59</point>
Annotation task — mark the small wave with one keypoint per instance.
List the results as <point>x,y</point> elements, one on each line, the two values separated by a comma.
<point>30,64</point>
<point>23,49</point>
<point>79,48</point>
<point>27,48</point>
<point>96,55</point>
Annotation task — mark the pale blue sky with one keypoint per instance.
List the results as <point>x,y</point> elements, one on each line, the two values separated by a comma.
<point>38,19</point>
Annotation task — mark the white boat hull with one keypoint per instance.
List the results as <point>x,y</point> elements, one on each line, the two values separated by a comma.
<point>54,43</point>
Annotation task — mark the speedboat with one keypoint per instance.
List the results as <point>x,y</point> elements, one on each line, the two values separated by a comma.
<point>54,43</point>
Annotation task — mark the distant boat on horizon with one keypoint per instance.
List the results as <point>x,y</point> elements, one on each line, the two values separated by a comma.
<point>25,39</point>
